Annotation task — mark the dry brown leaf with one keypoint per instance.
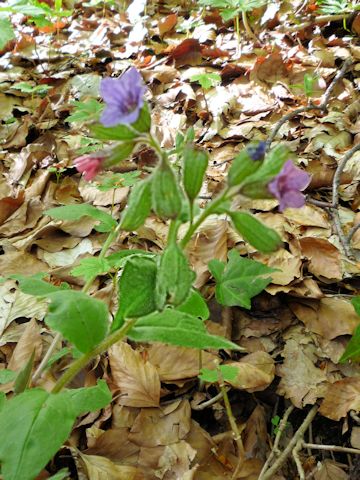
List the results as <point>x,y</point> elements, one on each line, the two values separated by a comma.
<point>21,263</point>
<point>329,317</point>
<point>8,205</point>
<point>255,372</point>
<point>341,397</point>
<point>324,257</point>
<point>255,435</point>
<point>288,265</point>
<point>329,470</point>
<point>137,379</point>
<point>178,363</point>
<point>101,468</point>
<point>308,216</point>
<point>114,444</point>
<point>166,24</point>
<point>301,381</point>
<point>29,343</point>
<point>155,426</point>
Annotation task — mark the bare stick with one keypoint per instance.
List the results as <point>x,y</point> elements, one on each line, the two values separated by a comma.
<point>317,20</point>
<point>46,357</point>
<point>352,232</point>
<point>331,448</point>
<point>269,474</point>
<point>340,74</point>
<point>318,203</point>
<point>275,449</point>
<point>298,463</point>
<point>209,402</point>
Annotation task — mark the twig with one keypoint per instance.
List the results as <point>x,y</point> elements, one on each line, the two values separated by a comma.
<point>352,232</point>
<point>209,402</point>
<point>275,448</point>
<point>248,30</point>
<point>269,474</point>
<point>318,203</point>
<point>298,463</point>
<point>323,105</point>
<point>317,20</point>
<point>46,357</point>
<point>331,448</point>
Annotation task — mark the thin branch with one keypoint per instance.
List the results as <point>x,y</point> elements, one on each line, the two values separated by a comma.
<point>340,74</point>
<point>46,357</point>
<point>318,203</point>
<point>269,474</point>
<point>246,24</point>
<point>331,448</point>
<point>317,20</point>
<point>352,232</point>
<point>275,449</point>
<point>209,402</point>
<point>298,463</point>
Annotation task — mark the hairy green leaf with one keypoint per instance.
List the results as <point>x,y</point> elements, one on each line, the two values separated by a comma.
<point>195,163</point>
<point>75,212</point>
<point>138,207</point>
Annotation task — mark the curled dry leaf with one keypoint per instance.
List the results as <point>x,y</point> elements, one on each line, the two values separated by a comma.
<point>255,372</point>
<point>341,397</point>
<point>137,379</point>
<point>101,468</point>
<point>178,363</point>
<point>329,317</point>
<point>29,342</point>
<point>324,258</point>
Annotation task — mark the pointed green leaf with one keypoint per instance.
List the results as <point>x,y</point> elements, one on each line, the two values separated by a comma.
<point>177,328</point>
<point>119,132</point>
<point>239,280</point>
<point>195,305</point>
<point>139,206</point>
<point>7,376</point>
<point>6,32</point>
<point>119,153</point>
<point>24,376</point>
<point>227,373</point>
<point>91,267</point>
<point>260,236</point>
<point>75,212</point>
<point>81,319</point>
<point>33,285</point>
<point>241,167</point>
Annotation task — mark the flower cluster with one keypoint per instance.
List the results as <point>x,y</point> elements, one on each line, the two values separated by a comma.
<point>288,185</point>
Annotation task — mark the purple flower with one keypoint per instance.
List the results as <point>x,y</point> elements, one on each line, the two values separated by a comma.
<point>257,152</point>
<point>89,165</point>
<point>123,97</point>
<point>287,186</point>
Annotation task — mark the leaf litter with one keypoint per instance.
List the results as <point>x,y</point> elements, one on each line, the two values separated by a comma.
<point>296,330</point>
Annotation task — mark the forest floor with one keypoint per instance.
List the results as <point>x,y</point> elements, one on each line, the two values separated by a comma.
<point>233,89</point>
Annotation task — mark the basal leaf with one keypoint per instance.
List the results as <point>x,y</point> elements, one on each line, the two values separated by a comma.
<point>195,305</point>
<point>75,212</point>
<point>177,328</point>
<point>33,285</point>
<point>81,319</point>
<point>238,281</point>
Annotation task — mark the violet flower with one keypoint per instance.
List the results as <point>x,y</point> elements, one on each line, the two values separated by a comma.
<point>124,98</point>
<point>257,152</point>
<point>89,165</point>
<point>287,186</point>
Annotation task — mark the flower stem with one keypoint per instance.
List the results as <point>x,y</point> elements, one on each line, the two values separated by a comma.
<point>210,209</point>
<point>81,362</point>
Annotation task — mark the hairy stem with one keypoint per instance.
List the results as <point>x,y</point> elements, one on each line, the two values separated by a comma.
<point>81,362</point>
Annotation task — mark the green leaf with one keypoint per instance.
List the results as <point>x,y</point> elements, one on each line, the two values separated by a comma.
<point>60,475</point>
<point>195,163</point>
<point>143,123</point>
<point>85,111</point>
<point>206,80</point>
<point>260,236</point>
<point>136,290</point>
<point>227,373</point>
<point>166,195</point>
<point>177,328</point>
<point>239,280</point>
<point>352,351</point>
<point>117,260</point>
<point>195,305</point>
<point>119,153</point>
<point>120,132</point>
<point>91,267</point>
<point>75,212</point>
<point>28,442</point>
<point>81,319</point>
<point>356,304</point>
<point>174,277</point>
<point>139,206</point>
<point>6,32</point>
<point>117,180</point>
<point>24,376</point>
<point>90,398</point>
<point>241,167</point>
<point>7,376</point>
<point>309,81</point>
<point>272,165</point>
<point>33,285</point>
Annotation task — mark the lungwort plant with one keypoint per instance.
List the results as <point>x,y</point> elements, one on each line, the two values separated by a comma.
<point>157,300</point>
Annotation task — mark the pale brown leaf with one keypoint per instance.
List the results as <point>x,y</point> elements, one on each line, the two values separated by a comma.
<point>341,397</point>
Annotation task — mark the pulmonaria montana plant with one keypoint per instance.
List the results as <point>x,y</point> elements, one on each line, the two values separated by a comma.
<point>157,300</point>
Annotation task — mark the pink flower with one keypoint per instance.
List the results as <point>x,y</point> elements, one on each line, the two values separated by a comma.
<point>287,186</point>
<point>89,165</point>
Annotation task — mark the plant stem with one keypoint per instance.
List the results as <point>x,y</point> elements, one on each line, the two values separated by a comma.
<point>85,289</point>
<point>211,208</point>
<point>81,362</point>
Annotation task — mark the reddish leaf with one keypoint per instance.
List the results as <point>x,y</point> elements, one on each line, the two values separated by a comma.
<point>166,24</point>
<point>187,53</point>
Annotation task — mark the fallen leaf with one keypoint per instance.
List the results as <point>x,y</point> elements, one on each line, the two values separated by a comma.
<point>341,397</point>
<point>324,258</point>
